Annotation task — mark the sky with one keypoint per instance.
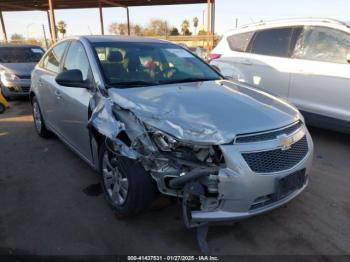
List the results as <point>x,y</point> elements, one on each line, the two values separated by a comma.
<point>86,21</point>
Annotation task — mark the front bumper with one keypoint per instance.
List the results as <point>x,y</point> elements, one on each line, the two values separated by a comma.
<point>239,188</point>
<point>15,88</point>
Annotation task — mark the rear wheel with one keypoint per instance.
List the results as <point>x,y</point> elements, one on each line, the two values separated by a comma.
<point>39,120</point>
<point>127,186</point>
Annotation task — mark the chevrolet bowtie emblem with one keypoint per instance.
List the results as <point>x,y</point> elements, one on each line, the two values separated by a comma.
<point>285,142</point>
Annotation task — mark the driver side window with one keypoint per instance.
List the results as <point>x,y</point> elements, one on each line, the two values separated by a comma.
<point>77,59</point>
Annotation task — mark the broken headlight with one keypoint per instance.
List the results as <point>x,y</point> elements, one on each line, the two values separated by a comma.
<point>186,151</point>
<point>164,141</point>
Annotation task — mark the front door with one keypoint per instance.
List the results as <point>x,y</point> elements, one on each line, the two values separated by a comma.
<point>74,102</point>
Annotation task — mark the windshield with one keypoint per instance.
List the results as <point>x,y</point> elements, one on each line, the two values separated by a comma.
<point>20,54</point>
<point>126,64</point>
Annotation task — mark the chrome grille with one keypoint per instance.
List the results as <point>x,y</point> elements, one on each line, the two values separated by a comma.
<point>257,137</point>
<point>278,159</point>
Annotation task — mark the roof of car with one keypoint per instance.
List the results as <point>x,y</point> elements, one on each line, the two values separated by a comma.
<point>115,38</point>
<point>292,21</point>
<point>19,45</point>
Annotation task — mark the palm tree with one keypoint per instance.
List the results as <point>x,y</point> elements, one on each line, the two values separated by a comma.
<point>184,27</point>
<point>195,24</point>
<point>61,27</point>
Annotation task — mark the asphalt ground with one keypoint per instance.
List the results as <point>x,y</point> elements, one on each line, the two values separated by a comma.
<point>51,204</point>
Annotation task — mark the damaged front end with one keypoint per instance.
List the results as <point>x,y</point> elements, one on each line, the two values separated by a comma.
<point>180,169</point>
<point>220,176</point>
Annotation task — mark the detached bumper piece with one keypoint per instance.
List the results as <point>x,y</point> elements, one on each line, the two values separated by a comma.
<point>193,192</point>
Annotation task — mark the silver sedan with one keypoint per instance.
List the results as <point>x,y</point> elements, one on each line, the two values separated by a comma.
<point>150,116</point>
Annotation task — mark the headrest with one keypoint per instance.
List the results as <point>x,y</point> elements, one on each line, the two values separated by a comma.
<point>115,56</point>
<point>133,61</point>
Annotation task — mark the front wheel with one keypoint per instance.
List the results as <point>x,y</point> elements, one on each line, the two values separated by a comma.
<point>127,186</point>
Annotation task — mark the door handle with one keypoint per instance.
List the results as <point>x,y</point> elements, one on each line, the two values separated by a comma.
<point>246,62</point>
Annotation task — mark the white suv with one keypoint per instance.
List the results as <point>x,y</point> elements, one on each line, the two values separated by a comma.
<point>305,61</point>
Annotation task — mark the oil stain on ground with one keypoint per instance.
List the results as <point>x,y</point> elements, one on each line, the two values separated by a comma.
<point>93,190</point>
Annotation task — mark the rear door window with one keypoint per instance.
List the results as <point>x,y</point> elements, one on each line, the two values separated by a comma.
<point>272,42</point>
<point>52,59</point>
<point>240,42</point>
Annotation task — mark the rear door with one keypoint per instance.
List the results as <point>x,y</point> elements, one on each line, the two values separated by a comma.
<point>320,82</point>
<point>44,81</point>
<point>266,65</point>
<point>73,102</point>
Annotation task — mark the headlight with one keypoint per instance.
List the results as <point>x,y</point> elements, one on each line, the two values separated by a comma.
<point>164,141</point>
<point>191,152</point>
<point>8,76</point>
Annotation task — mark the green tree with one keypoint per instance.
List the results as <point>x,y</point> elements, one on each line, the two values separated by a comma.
<point>185,25</point>
<point>174,31</point>
<point>195,24</point>
<point>61,27</point>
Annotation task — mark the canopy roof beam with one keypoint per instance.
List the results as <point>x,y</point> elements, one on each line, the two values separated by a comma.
<point>113,3</point>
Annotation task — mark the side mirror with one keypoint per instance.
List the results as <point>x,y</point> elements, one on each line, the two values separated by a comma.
<point>348,58</point>
<point>71,78</point>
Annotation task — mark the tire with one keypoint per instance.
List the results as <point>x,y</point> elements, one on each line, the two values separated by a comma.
<point>135,187</point>
<point>2,108</point>
<point>39,122</point>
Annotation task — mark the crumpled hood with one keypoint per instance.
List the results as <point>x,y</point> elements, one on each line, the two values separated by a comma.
<point>19,69</point>
<point>212,112</point>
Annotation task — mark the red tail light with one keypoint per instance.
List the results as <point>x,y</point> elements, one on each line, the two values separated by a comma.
<point>213,56</point>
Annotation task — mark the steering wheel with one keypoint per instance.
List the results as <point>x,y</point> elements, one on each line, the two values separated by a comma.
<point>169,72</point>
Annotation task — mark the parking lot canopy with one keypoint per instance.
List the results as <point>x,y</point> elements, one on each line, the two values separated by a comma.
<point>18,5</point>
<point>50,5</point>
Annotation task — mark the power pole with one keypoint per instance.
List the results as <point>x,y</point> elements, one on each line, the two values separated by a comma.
<point>45,36</point>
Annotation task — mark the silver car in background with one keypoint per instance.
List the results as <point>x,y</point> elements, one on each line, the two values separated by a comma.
<point>16,65</point>
<point>149,115</point>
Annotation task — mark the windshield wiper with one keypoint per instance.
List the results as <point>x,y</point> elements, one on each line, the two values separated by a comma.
<point>133,84</point>
<point>189,79</point>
